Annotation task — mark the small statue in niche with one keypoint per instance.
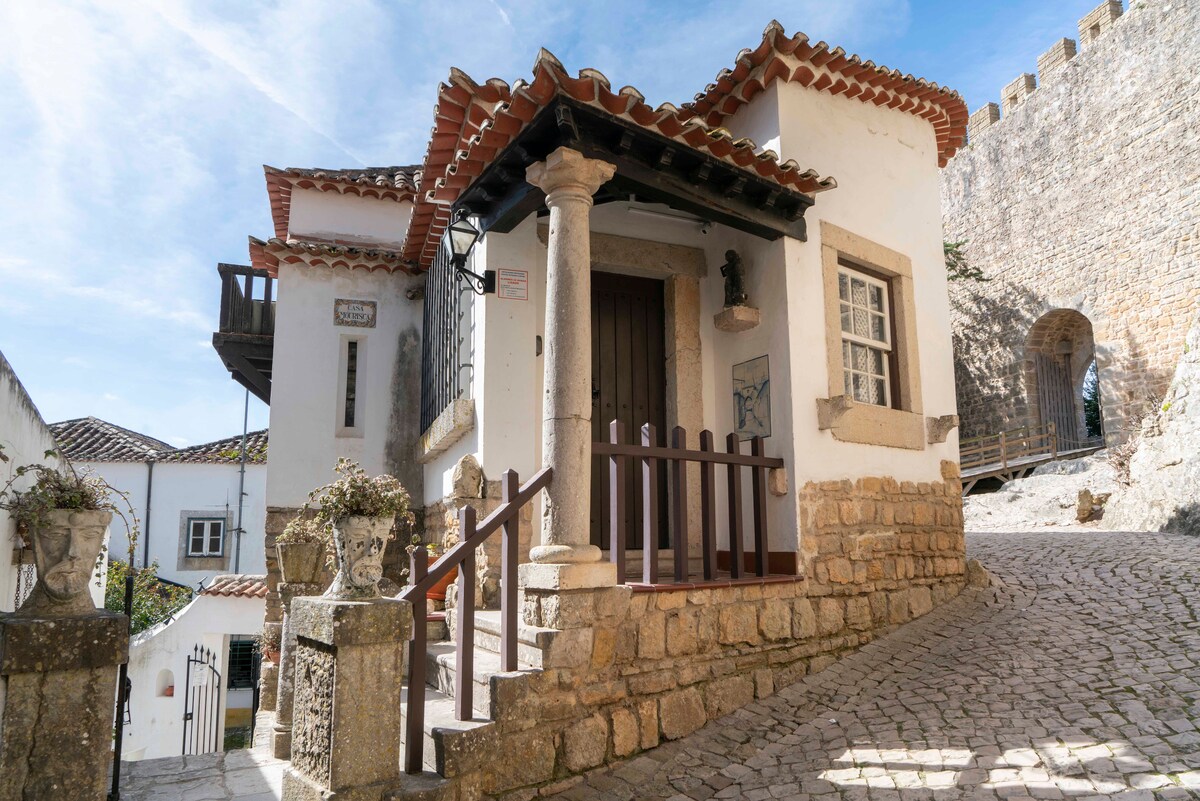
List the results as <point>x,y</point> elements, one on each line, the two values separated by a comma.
<point>735,284</point>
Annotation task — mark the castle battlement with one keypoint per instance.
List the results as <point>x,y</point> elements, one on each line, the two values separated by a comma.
<point>1094,25</point>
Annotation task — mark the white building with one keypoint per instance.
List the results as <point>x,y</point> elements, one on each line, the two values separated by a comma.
<point>374,350</point>
<point>186,499</point>
<point>172,674</point>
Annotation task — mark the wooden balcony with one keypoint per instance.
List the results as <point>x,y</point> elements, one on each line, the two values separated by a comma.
<point>245,339</point>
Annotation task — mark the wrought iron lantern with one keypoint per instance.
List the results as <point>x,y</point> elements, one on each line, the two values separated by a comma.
<point>459,238</point>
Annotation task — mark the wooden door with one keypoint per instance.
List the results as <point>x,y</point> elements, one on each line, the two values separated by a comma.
<point>1056,397</point>
<point>628,384</point>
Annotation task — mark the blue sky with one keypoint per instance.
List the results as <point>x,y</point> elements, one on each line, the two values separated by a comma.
<point>133,135</point>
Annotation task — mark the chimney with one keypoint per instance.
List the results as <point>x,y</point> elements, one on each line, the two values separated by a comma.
<point>1058,55</point>
<point>1016,92</point>
<point>981,120</point>
<point>1098,21</point>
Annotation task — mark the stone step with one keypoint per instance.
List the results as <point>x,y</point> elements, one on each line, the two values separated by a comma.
<point>441,668</point>
<point>451,747</point>
<point>537,647</point>
<point>425,786</point>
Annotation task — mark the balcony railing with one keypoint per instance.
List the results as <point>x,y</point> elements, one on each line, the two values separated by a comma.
<point>241,311</point>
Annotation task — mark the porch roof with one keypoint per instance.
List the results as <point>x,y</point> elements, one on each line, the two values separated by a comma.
<point>385,183</point>
<point>267,255</point>
<point>474,123</point>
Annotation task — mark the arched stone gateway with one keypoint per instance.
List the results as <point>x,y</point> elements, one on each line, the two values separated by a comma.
<point>1059,351</point>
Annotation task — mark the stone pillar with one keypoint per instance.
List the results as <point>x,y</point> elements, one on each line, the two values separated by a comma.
<point>58,683</point>
<point>349,658</point>
<point>281,732</point>
<point>566,558</point>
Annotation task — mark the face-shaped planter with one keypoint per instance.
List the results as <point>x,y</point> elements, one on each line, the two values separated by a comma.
<point>359,542</point>
<point>65,550</point>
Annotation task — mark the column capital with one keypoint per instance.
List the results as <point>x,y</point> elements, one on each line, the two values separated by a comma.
<point>567,173</point>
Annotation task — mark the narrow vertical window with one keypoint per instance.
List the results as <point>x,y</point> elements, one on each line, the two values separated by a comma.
<point>866,337</point>
<point>351,383</point>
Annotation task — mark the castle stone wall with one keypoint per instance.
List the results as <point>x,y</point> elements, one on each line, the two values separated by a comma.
<point>1085,195</point>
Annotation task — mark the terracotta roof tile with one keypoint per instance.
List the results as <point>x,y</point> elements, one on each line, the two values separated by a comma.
<point>267,255</point>
<point>829,69</point>
<point>224,451</point>
<point>385,183</point>
<point>237,586</point>
<point>475,122</point>
<point>89,439</point>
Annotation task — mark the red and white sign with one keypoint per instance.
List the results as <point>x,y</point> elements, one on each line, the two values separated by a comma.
<point>512,284</point>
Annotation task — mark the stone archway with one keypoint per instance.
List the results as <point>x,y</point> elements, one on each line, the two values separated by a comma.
<point>1059,350</point>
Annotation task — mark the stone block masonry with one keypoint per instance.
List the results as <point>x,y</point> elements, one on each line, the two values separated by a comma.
<point>1062,51</point>
<point>1084,197</point>
<point>1016,92</point>
<point>649,666</point>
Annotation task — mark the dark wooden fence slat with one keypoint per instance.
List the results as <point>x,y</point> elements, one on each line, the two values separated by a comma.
<point>679,506</point>
<point>708,509</point>
<point>617,501</point>
<point>414,732</point>
<point>649,509</point>
<point>735,510</point>
<point>759,488</point>
<point>510,484</point>
<point>464,646</point>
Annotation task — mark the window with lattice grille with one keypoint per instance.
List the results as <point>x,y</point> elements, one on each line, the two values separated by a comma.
<point>866,327</point>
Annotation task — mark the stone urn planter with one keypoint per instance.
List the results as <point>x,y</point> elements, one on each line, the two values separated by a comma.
<point>359,543</point>
<point>301,562</point>
<point>66,546</point>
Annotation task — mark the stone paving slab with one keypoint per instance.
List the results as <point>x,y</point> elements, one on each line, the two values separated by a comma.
<point>245,775</point>
<point>1079,679</point>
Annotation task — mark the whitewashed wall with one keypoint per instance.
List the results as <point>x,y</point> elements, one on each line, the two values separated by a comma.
<point>179,488</point>
<point>25,439</point>
<point>348,218</point>
<point>158,657</point>
<point>307,383</point>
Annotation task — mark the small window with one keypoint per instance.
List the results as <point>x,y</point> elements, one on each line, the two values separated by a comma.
<point>351,382</point>
<point>866,325</point>
<point>243,654</point>
<point>206,536</point>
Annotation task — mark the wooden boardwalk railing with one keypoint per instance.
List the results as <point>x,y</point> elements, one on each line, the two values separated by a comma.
<point>1008,447</point>
<point>647,454</point>
<point>462,558</point>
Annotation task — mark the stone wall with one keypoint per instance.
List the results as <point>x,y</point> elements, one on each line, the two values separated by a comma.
<point>1083,196</point>
<point>636,668</point>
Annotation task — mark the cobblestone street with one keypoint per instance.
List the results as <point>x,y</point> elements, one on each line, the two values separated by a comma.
<point>1079,680</point>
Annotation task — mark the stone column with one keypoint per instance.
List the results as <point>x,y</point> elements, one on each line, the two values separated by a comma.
<point>566,559</point>
<point>58,685</point>
<point>349,658</point>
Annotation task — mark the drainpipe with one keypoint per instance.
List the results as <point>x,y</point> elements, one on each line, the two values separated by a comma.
<point>237,548</point>
<point>146,518</point>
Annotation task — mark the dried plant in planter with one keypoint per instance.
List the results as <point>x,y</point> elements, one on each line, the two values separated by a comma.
<point>63,515</point>
<point>359,512</point>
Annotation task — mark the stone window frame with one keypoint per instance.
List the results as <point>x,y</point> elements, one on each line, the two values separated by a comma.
<point>183,560</point>
<point>902,425</point>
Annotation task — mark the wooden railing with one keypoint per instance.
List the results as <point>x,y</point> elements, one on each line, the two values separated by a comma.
<point>648,453</point>
<point>1008,447</point>
<point>241,312</point>
<point>462,558</point>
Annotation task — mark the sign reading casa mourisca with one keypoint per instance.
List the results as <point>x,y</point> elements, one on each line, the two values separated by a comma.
<point>356,313</point>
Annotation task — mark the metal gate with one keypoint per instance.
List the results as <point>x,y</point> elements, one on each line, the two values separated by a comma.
<point>202,704</point>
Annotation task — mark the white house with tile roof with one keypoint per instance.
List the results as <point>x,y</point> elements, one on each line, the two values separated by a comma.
<point>751,285</point>
<point>186,499</point>
<point>221,621</point>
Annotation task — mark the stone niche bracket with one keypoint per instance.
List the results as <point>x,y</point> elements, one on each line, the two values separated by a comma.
<point>737,318</point>
<point>938,428</point>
